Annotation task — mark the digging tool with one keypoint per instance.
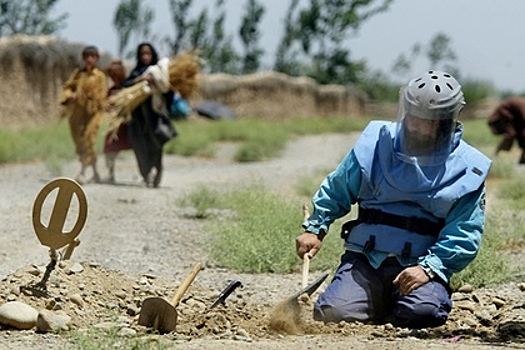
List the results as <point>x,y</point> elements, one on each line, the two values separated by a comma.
<point>285,316</point>
<point>225,293</point>
<point>306,257</point>
<point>311,288</point>
<point>306,268</point>
<point>159,313</point>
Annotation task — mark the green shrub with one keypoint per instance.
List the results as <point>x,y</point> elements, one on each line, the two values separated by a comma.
<point>202,199</point>
<point>260,238</point>
<point>491,265</point>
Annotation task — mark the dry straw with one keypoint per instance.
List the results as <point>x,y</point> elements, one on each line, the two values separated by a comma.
<point>183,73</point>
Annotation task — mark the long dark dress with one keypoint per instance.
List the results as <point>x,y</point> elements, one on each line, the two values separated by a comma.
<point>147,148</point>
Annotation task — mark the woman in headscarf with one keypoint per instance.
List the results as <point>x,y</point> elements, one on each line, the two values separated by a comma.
<point>146,143</point>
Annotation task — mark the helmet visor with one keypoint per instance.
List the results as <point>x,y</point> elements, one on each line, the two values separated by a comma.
<point>423,140</point>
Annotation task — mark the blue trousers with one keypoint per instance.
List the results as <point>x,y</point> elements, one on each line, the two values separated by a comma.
<point>358,292</point>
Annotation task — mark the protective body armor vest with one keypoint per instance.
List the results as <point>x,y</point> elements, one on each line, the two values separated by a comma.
<point>394,186</point>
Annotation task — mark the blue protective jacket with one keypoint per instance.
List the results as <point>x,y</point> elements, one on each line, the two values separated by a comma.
<point>374,177</point>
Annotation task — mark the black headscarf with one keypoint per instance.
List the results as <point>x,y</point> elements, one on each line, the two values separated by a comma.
<point>141,66</point>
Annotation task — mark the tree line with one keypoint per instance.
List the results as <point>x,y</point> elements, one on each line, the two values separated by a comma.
<point>314,40</point>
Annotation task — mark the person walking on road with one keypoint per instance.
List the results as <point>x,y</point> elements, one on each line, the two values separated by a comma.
<point>84,99</point>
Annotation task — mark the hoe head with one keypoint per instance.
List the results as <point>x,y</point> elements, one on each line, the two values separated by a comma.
<point>158,314</point>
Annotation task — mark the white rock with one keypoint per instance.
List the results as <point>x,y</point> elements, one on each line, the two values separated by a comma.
<point>48,321</point>
<point>18,315</point>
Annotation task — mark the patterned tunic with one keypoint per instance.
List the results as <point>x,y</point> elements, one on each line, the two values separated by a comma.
<point>85,112</point>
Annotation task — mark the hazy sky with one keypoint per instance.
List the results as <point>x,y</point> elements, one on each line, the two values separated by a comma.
<point>488,36</point>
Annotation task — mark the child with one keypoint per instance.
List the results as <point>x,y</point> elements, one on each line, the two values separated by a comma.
<point>84,96</point>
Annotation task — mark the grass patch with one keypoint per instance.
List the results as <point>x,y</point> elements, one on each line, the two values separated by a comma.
<point>477,133</point>
<point>202,199</point>
<point>307,185</point>
<point>512,191</point>
<point>49,142</point>
<point>260,238</point>
<point>98,339</point>
<point>503,167</point>
<point>259,139</point>
<point>490,266</point>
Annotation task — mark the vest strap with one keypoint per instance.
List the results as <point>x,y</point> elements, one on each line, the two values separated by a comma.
<point>412,224</point>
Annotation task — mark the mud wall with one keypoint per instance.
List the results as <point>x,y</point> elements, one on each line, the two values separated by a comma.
<point>32,70</point>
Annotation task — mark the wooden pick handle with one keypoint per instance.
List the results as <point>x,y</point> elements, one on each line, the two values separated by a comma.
<point>185,285</point>
<point>306,257</point>
<point>306,268</point>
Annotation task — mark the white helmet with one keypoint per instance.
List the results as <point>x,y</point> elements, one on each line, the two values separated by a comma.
<point>429,106</point>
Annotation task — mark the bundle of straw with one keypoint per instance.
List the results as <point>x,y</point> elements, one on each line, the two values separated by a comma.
<point>183,70</point>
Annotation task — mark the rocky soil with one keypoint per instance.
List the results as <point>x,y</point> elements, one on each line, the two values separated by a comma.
<point>137,243</point>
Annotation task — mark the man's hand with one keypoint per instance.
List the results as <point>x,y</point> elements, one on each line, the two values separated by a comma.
<point>410,279</point>
<point>308,243</point>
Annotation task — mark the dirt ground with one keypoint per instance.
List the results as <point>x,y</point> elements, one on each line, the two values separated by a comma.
<point>137,243</point>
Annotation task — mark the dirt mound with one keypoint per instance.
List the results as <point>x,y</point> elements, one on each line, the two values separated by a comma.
<point>97,297</point>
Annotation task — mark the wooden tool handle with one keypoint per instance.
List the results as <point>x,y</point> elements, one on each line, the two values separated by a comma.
<point>185,285</point>
<point>306,268</point>
<point>306,257</point>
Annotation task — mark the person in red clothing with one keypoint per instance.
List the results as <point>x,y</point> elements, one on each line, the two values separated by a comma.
<point>508,119</point>
<point>115,142</point>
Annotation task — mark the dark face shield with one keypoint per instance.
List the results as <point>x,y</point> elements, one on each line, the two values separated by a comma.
<point>424,140</point>
<point>420,135</point>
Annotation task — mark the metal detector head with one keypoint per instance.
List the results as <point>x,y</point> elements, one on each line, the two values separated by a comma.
<point>53,234</point>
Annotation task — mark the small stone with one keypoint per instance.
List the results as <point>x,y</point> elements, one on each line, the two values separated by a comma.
<point>484,315</point>
<point>34,272</point>
<point>132,310</point>
<point>241,338</point>
<point>242,332</point>
<point>77,300</point>
<point>472,323</point>
<point>121,294</point>
<point>123,320</point>
<point>127,332</point>
<point>498,302</point>
<point>466,288</point>
<point>76,268</point>
<point>49,321</point>
<point>466,305</point>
